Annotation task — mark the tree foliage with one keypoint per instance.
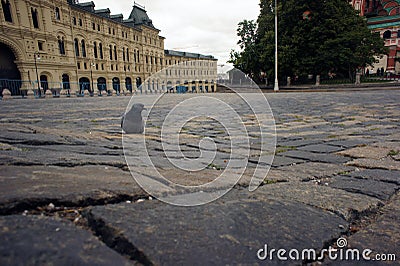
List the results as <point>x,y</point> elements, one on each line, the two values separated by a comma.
<point>315,37</point>
<point>244,60</point>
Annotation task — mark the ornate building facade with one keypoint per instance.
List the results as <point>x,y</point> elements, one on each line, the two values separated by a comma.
<point>63,44</point>
<point>383,16</point>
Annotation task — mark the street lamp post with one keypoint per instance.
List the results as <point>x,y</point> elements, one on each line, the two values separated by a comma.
<point>276,87</point>
<point>36,56</point>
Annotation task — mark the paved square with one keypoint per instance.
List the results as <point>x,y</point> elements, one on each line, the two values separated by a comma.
<point>336,174</point>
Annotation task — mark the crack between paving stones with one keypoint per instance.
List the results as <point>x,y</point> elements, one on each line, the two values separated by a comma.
<point>21,206</point>
<point>115,239</point>
<point>38,143</point>
<point>358,221</point>
<point>121,166</point>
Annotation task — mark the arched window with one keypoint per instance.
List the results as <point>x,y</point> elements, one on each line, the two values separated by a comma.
<point>111,51</point>
<point>115,53</point>
<point>134,56</point>
<point>76,45</point>
<point>35,20</point>
<point>57,13</point>
<point>83,46</point>
<point>74,20</point>
<point>80,22</point>
<point>95,49</point>
<point>387,34</point>
<point>127,54</point>
<point>61,45</point>
<point>6,10</point>
<point>123,54</point>
<point>101,50</point>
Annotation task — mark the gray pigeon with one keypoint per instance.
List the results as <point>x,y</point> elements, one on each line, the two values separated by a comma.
<point>132,122</point>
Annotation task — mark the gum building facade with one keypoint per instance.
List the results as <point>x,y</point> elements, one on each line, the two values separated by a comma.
<point>67,46</point>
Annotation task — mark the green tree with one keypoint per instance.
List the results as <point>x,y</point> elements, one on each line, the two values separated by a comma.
<point>244,59</point>
<point>315,37</point>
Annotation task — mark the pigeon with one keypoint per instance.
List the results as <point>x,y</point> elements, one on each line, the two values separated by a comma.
<point>132,122</point>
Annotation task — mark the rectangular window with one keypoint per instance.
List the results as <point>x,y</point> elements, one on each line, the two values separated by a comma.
<point>95,49</point>
<point>76,45</point>
<point>40,45</point>
<point>6,10</point>
<point>61,46</point>
<point>101,50</point>
<point>35,20</point>
<point>79,65</point>
<point>57,13</point>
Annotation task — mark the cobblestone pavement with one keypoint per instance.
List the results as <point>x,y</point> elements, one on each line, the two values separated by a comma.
<point>68,197</point>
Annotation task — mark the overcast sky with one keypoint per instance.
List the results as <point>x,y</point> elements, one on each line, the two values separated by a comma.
<point>202,26</point>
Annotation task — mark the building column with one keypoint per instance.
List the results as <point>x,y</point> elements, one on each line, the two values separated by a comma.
<point>26,84</point>
<point>197,86</point>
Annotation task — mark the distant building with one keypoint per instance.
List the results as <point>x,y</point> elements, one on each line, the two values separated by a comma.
<point>75,46</point>
<point>383,16</point>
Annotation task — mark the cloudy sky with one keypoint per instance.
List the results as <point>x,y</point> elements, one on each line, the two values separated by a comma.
<point>202,26</point>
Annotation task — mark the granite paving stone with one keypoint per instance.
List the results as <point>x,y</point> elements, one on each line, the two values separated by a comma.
<point>230,231</point>
<point>378,174</point>
<point>47,241</point>
<point>348,143</point>
<point>381,237</point>
<point>385,163</point>
<point>321,148</point>
<point>23,186</point>
<point>370,152</point>
<point>313,170</point>
<point>316,157</point>
<point>373,188</point>
<point>346,204</point>
<point>298,143</point>
<point>284,161</point>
